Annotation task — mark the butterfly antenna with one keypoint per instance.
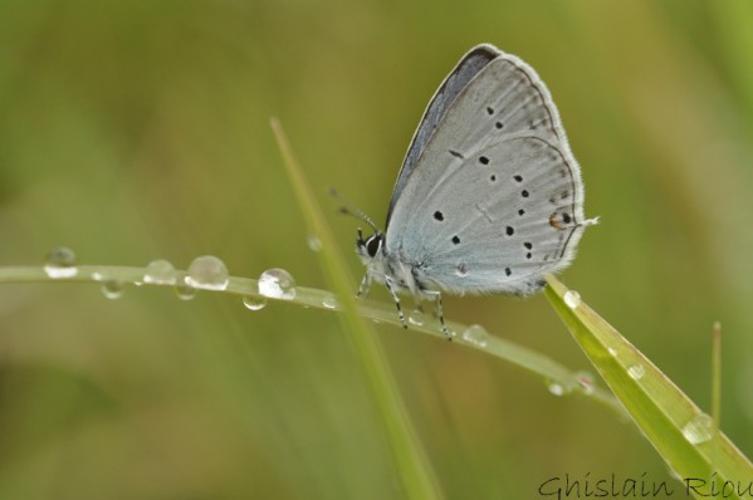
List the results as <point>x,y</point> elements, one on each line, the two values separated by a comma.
<point>348,209</point>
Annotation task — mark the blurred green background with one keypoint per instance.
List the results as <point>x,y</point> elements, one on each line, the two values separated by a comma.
<point>138,130</point>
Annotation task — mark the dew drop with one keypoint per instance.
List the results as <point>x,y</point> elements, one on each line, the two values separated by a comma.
<point>160,272</point>
<point>182,289</point>
<point>559,388</point>
<point>416,318</point>
<point>476,335</point>
<point>330,302</point>
<point>113,289</point>
<point>586,381</point>
<point>97,276</point>
<point>207,272</point>
<point>572,299</point>
<point>612,351</point>
<point>314,243</point>
<point>61,263</point>
<point>277,284</point>
<point>556,389</point>
<point>674,474</point>
<point>636,372</point>
<point>699,429</point>
<point>461,271</point>
<point>254,303</point>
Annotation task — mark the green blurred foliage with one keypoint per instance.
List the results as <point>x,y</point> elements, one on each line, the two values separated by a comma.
<point>139,130</point>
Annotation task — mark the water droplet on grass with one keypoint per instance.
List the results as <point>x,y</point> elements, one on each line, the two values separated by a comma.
<point>572,299</point>
<point>416,318</point>
<point>556,389</point>
<point>277,284</point>
<point>636,372</point>
<point>61,263</point>
<point>476,335</point>
<point>160,272</point>
<point>113,289</point>
<point>182,289</point>
<point>329,302</point>
<point>612,351</point>
<point>254,303</point>
<point>314,243</point>
<point>699,430</point>
<point>208,272</point>
<point>96,276</point>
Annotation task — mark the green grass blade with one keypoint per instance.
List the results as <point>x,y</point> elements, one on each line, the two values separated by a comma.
<point>682,434</point>
<point>716,374</point>
<point>411,463</point>
<point>536,363</point>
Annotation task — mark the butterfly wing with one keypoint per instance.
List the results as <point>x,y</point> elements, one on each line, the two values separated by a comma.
<point>468,67</point>
<point>494,199</point>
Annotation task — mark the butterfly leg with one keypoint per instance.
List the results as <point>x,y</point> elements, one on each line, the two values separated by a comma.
<point>363,289</point>
<point>390,288</point>
<point>437,295</point>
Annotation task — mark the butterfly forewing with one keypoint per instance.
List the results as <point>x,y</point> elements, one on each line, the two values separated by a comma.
<point>473,62</point>
<point>494,198</point>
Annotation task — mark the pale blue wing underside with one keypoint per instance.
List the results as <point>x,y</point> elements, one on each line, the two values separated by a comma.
<point>467,68</point>
<point>495,198</point>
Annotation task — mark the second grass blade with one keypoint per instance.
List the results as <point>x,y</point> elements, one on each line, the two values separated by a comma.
<point>684,436</point>
<point>410,460</point>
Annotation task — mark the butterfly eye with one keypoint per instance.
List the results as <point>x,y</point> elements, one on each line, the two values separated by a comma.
<point>373,244</point>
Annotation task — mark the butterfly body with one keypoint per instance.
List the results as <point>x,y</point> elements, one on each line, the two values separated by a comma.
<point>489,198</point>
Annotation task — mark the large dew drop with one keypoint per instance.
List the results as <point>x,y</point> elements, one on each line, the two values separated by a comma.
<point>113,289</point>
<point>277,284</point>
<point>160,272</point>
<point>699,430</point>
<point>61,263</point>
<point>208,272</point>
<point>182,289</point>
<point>476,335</point>
<point>254,303</point>
<point>572,299</point>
